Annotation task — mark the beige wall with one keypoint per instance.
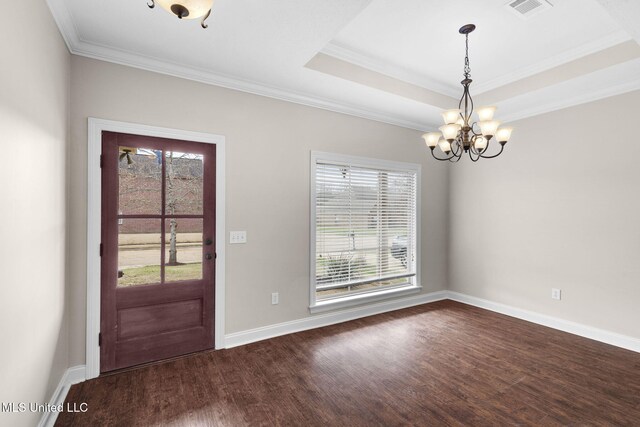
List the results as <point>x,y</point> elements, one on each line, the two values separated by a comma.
<point>559,209</point>
<point>268,147</point>
<point>34,95</point>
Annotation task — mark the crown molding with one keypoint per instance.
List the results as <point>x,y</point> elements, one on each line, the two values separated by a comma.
<point>64,21</point>
<point>363,60</point>
<point>77,46</point>
<point>579,99</point>
<point>549,107</point>
<point>608,41</point>
<point>171,69</point>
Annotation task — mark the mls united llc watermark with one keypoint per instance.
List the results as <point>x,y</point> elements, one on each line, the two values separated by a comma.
<point>42,407</point>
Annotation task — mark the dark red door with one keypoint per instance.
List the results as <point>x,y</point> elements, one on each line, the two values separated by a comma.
<point>158,249</point>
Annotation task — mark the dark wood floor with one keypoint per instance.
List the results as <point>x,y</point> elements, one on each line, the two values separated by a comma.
<point>439,364</point>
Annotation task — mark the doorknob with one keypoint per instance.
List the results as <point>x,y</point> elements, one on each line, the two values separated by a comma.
<point>208,242</point>
<point>208,256</point>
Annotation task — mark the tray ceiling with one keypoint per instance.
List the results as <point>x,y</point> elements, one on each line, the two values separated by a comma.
<point>399,62</point>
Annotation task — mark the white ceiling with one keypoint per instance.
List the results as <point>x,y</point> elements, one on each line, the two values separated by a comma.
<point>421,37</point>
<point>262,46</point>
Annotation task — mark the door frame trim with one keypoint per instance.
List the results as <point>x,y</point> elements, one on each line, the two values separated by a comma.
<point>94,212</point>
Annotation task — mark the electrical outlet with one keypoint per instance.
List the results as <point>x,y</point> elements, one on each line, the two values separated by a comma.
<point>556,293</point>
<point>236,237</point>
<point>275,298</point>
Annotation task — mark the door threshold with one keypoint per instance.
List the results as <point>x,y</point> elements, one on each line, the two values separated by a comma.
<point>153,363</point>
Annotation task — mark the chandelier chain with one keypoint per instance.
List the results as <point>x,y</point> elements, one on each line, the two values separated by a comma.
<point>467,68</point>
<point>459,136</point>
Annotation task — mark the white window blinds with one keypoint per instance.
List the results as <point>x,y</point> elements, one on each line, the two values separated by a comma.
<point>365,227</point>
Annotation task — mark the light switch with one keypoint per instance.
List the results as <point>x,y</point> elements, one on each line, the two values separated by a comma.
<point>236,237</point>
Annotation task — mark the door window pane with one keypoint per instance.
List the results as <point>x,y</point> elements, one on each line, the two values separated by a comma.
<point>139,181</point>
<point>138,251</point>
<point>184,183</point>
<point>183,249</point>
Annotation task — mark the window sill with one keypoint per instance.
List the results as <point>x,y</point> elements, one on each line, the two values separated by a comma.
<point>353,300</point>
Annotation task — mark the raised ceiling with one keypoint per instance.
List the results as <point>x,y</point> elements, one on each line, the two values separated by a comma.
<point>395,61</point>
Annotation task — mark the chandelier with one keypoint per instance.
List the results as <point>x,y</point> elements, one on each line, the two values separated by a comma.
<point>186,9</point>
<point>460,135</point>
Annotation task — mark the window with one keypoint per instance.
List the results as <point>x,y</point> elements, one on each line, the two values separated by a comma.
<point>363,229</point>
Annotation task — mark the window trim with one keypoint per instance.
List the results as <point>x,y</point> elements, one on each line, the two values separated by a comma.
<point>362,298</point>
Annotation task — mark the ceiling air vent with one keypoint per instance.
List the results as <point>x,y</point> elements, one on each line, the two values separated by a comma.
<point>525,9</point>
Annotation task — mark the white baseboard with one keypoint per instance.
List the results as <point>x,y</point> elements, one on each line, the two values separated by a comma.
<point>73,375</point>
<point>326,319</point>
<point>590,332</point>
<point>77,374</point>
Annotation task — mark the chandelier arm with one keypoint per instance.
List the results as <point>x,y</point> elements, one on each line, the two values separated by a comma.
<point>466,97</point>
<point>467,137</point>
<point>466,94</point>
<point>457,158</point>
<point>472,148</point>
<point>441,160</point>
<point>151,4</point>
<point>456,148</point>
<point>204,18</point>
<point>495,155</point>
<point>476,151</point>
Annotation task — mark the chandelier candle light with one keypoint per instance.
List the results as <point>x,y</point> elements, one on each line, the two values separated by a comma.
<point>186,9</point>
<point>459,134</point>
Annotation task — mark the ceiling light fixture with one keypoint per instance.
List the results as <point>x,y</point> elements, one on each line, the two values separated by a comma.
<point>186,9</point>
<point>458,135</point>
